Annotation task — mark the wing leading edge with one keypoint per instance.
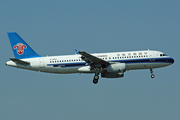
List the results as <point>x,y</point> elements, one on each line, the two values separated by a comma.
<point>93,61</point>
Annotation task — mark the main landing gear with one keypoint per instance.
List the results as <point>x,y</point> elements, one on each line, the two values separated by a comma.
<point>96,78</point>
<point>152,75</point>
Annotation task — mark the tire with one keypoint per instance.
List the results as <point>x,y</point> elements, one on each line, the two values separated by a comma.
<point>95,81</point>
<point>96,77</point>
<point>152,76</point>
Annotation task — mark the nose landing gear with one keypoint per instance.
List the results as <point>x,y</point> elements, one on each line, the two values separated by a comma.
<point>152,75</point>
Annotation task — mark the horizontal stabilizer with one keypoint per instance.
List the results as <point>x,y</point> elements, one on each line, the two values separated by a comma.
<point>20,61</point>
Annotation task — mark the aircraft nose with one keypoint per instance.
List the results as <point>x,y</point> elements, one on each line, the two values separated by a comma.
<point>172,60</point>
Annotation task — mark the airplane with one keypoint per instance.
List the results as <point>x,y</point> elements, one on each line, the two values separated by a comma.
<point>109,65</point>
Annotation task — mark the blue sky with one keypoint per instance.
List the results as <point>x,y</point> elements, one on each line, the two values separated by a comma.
<point>58,27</point>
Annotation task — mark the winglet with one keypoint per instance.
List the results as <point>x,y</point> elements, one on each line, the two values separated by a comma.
<point>77,52</point>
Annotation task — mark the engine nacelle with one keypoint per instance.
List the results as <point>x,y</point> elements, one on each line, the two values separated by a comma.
<point>117,67</point>
<point>112,75</point>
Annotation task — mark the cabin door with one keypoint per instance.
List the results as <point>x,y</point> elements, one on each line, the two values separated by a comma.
<point>151,56</point>
<point>41,63</point>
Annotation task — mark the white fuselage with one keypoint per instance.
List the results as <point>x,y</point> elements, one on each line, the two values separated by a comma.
<point>74,64</point>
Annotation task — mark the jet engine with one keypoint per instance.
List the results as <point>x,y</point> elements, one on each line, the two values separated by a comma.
<point>115,70</point>
<point>117,67</point>
<point>112,75</point>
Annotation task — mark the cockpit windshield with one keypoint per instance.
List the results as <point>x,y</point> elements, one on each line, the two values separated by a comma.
<point>163,55</point>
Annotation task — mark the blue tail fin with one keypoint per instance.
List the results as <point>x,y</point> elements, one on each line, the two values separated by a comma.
<point>20,48</point>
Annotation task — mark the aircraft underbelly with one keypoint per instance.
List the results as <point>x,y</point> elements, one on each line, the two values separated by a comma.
<point>60,70</point>
<point>145,65</point>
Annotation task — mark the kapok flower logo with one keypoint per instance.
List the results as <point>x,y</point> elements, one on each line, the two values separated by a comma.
<point>20,48</point>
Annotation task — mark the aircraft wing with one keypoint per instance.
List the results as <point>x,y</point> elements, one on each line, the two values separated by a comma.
<point>92,60</point>
<point>20,61</point>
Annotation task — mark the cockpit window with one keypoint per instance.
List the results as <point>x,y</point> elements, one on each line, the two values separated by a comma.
<point>163,55</point>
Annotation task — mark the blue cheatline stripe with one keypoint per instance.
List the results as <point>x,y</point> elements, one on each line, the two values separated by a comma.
<point>129,61</point>
<point>67,64</point>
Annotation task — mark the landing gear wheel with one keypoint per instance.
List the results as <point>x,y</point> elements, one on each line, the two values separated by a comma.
<point>96,77</point>
<point>95,81</point>
<point>152,76</point>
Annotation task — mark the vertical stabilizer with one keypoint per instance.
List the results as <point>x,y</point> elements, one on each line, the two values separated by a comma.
<point>20,48</point>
